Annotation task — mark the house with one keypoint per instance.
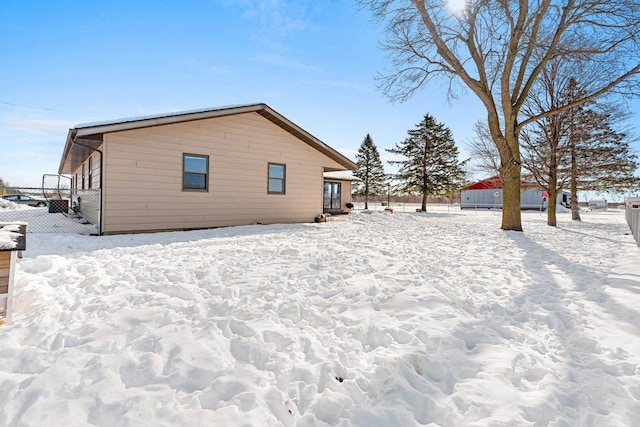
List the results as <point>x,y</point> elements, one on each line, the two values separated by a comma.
<point>487,194</point>
<point>217,167</point>
<point>337,191</point>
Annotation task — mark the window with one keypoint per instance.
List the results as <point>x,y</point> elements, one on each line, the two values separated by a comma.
<point>76,182</point>
<point>90,173</point>
<point>195,172</point>
<point>83,176</point>
<point>332,195</point>
<point>277,178</point>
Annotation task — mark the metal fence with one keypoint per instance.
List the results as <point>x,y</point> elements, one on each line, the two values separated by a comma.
<point>52,210</point>
<point>408,207</point>
<point>633,219</point>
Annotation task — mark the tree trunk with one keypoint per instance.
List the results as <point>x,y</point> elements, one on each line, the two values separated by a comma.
<point>511,218</point>
<point>553,185</point>
<point>424,202</point>
<point>551,205</point>
<point>366,192</point>
<point>510,168</point>
<point>575,209</point>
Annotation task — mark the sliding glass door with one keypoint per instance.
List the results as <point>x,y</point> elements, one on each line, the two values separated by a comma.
<point>332,195</point>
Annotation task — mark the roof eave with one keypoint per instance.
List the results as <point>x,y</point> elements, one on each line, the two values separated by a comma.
<point>65,153</point>
<point>128,124</point>
<point>136,123</point>
<point>286,124</point>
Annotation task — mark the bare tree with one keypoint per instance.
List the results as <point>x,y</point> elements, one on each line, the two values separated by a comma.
<point>497,50</point>
<point>484,155</point>
<point>3,185</point>
<point>580,148</point>
<point>545,143</point>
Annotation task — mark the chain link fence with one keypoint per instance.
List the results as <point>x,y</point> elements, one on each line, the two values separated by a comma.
<point>52,210</point>
<point>406,207</point>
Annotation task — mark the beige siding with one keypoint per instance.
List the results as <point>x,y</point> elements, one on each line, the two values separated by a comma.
<point>94,177</point>
<point>346,194</point>
<point>143,176</point>
<point>89,200</point>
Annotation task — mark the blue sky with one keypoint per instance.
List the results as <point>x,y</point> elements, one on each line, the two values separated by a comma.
<point>71,62</point>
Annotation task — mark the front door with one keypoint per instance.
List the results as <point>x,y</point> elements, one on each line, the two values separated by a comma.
<point>332,196</point>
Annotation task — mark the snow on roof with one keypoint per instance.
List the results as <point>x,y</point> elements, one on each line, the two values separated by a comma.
<point>161,115</point>
<point>342,175</point>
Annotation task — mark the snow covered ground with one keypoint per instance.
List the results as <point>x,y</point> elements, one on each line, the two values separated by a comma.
<point>376,319</point>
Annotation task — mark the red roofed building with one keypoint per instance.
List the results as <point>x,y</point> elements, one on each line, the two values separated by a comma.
<point>487,194</point>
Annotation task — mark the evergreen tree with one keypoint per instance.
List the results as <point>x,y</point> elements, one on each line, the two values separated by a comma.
<point>370,171</point>
<point>600,156</point>
<point>581,147</point>
<point>431,161</point>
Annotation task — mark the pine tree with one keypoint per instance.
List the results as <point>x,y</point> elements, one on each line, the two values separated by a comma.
<point>431,161</point>
<point>370,171</point>
<point>580,147</point>
<point>601,157</point>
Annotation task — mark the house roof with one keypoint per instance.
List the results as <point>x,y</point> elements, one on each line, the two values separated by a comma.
<point>83,139</point>
<point>486,184</point>
<point>493,183</point>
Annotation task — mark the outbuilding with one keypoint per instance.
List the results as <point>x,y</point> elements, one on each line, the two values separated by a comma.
<point>217,167</point>
<point>487,194</point>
